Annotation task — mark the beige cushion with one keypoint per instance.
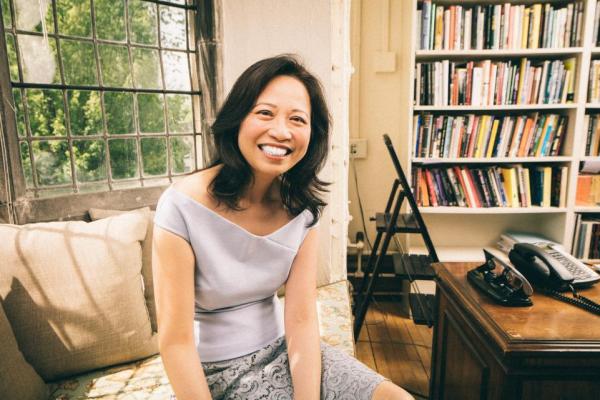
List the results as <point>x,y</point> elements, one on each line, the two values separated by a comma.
<point>18,380</point>
<point>98,213</point>
<point>73,293</point>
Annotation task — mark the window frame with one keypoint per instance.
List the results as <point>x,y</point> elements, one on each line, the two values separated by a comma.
<point>17,207</point>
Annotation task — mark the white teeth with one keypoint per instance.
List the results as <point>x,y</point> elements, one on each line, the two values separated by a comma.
<point>274,151</point>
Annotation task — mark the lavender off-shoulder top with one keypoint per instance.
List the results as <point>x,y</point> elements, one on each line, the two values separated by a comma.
<point>236,277</point>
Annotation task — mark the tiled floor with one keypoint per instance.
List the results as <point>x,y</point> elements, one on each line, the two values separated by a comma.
<point>397,348</point>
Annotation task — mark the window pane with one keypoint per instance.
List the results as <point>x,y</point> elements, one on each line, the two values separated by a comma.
<point>119,112</point>
<point>179,113</point>
<point>6,16</point>
<point>85,112</point>
<point>182,154</point>
<point>151,113</point>
<point>90,160</point>
<point>79,62</point>
<point>175,67</point>
<point>110,19</point>
<point>46,112</point>
<point>172,27</point>
<point>123,158</point>
<point>51,160</point>
<point>146,68</point>
<point>19,113</point>
<point>142,22</point>
<point>115,66</point>
<point>39,59</point>
<point>12,58</point>
<point>28,15</point>
<point>154,156</point>
<point>74,17</point>
<point>26,164</point>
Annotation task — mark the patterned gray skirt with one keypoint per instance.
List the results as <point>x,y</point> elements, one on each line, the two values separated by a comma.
<point>265,374</point>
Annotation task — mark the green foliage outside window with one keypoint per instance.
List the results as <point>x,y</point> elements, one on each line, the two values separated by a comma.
<point>94,133</point>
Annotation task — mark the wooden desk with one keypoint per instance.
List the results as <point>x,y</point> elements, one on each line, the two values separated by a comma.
<point>482,350</point>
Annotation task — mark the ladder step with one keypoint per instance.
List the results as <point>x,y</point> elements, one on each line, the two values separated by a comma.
<point>413,267</point>
<point>422,308</point>
<point>405,223</point>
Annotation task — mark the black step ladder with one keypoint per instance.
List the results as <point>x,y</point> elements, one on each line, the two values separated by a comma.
<point>406,266</point>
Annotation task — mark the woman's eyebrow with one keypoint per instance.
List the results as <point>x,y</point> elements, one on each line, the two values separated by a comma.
<point>265,104</point>
<point>274,106</point>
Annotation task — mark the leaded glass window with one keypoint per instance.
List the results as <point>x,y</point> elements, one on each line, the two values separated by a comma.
<point>105,92</point>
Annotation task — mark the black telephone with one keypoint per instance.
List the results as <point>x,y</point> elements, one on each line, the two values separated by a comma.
<point>545,265</point>
<point>550,271</point>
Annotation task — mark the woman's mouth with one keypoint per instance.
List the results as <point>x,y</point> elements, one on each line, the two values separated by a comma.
<point>274,151</point>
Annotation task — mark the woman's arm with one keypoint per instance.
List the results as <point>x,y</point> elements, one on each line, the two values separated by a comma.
<point>173,272</point>
<point>301,322</point>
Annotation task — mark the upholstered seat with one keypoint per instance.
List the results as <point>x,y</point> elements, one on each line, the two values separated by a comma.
<point>146,379</point>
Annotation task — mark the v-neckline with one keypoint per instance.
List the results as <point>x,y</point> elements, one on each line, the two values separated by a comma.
<point>220,217</point>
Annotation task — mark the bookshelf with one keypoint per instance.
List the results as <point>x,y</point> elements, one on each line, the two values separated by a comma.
<point>461,232</point>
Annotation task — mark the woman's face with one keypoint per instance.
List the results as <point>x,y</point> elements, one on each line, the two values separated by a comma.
<point>275,134</point>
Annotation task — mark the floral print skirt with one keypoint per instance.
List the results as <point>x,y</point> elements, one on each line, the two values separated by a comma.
<point>265,374</point>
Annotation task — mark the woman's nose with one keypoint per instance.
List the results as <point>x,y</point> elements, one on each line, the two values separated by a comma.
<point>280,130</point>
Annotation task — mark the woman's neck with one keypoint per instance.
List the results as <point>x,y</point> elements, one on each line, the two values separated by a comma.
<point>262,190</point>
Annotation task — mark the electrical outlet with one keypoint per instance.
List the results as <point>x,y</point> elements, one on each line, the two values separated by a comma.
<point>358,148</point>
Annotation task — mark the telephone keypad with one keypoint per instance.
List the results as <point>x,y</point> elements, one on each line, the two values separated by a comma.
<point>575,270</point>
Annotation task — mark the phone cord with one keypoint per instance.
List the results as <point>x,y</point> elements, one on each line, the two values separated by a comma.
<point>577,300</point>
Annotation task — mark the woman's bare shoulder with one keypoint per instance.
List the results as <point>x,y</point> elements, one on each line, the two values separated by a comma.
<point>196,185</point>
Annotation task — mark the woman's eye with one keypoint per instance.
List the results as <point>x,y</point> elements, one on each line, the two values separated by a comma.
<point>264,112</point>
<point>299,119</point>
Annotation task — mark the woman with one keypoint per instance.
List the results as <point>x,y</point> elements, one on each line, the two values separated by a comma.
<point>228,236</point>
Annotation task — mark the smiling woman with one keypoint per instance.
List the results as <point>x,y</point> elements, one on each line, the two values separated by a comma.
<point>275,135</point>
<point>227,237</point>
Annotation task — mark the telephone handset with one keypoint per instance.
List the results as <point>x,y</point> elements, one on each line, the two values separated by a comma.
<point>550,271</point>
<point>545,265</point>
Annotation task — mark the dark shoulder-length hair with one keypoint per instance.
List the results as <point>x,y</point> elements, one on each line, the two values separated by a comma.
<point>300,186</point>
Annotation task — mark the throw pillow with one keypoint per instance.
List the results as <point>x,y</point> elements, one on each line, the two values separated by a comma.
<point>73,293</point>
<point>18,380</point>
<point>98,213</point>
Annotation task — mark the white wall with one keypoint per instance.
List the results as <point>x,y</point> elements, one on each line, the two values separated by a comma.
<point>380,55</point>
<point>317,31</point>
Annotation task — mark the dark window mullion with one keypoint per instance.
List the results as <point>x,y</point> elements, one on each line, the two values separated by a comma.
<point>13,30</point>
<point>28,136</point>
<point>102,88</point>
<point>166,3</point>
<point>165,99</point>
<point>101,94</point>
<point>136,124</point>
<point>64,97</point>
<point>91,39</point>
<point>188,56</point>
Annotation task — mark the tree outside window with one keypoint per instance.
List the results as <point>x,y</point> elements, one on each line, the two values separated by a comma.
<point>105,92</point>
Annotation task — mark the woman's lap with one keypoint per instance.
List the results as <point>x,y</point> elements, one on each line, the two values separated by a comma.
<point>265,374</point>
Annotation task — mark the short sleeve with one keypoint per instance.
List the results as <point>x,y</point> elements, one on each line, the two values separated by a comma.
<point>168,216</point>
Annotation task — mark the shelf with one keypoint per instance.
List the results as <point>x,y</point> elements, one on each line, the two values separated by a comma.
<point>592,106</point>
<point>446,54</point>
<point>587,209</point>
<point>494,160</point>
<point>493,210</point>
<point>590,158</point>
<point>451,253</point>
<point>511,107</point>
<point>595,51</point>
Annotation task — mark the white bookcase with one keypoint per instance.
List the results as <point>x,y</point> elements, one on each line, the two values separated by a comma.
<point>459,233</point>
